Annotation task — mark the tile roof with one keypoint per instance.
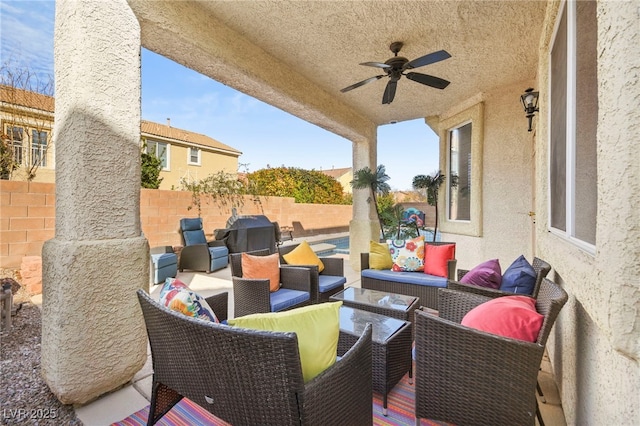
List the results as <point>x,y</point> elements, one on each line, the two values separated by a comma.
<point>46,103</point>
<point>336,173</point>
<point>26,98</point>
<point>181,135</point>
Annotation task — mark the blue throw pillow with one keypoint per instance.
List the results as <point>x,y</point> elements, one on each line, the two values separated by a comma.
<point>519,278</point>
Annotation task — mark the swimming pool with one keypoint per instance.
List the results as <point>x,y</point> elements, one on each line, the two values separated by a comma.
<point>341,246</point>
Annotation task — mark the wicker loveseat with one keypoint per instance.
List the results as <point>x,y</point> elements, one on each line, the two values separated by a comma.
<point>416,284</point>
<point>250,377</point>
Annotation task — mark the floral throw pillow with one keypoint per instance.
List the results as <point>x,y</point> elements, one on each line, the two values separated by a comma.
<point>177,296</point>
<point>407,255</point>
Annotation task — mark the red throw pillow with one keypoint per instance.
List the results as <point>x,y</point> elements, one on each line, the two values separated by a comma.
<point>436,259</point>
<point>509,316</point>
<point>262,267</point>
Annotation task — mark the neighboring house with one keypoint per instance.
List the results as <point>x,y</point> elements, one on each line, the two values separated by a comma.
<point>27,123</point>
<point>27,126</point>
<point>343,175</point>
<point>186,155</point>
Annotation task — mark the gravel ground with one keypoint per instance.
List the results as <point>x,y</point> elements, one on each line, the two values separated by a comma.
<point>25,399</point>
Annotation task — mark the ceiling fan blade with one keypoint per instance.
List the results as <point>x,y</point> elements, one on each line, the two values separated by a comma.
<point>376,64</point>
<point>431,58</point>
<point>361,83</point>
<point>429,80</point>
<point>389,92</point>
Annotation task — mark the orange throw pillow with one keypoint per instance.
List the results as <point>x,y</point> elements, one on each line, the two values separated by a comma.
<point>436,259</point>
<point>262,267</point>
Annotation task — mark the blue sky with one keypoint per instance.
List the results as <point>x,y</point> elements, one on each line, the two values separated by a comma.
<point>264,134</point>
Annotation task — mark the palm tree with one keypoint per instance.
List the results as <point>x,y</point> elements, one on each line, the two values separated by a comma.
<point>431,184</point>
<point>377,184</point>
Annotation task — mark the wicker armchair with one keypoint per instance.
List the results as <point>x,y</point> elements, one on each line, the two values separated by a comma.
<point>323,284</point>
<point>469,377</point>
<point>252,296</point>
<point>541,267</point>
<point>250,377</point>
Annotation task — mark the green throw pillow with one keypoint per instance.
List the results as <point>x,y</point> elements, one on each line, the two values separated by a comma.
<point>317,328</point>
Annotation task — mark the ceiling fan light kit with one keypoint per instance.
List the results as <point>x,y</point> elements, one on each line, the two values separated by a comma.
<point>396,66</point>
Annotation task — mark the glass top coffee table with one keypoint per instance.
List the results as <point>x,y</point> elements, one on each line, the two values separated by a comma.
<point>388,304</point>
<point>391,346</point>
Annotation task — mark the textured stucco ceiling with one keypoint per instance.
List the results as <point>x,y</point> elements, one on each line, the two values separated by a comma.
<point>297,53</point>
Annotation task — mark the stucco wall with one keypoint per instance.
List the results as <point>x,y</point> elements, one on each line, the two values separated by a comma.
<point>27,217</point>
<point>507,170</point>
<point>595,346</point>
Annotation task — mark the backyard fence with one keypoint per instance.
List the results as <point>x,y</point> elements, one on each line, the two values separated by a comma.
<point>27,217</point>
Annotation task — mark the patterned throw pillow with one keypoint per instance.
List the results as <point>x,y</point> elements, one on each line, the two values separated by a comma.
<point>407,255</point>
<point>177,296</point>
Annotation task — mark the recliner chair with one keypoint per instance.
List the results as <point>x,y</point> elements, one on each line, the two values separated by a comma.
<point>199,254</point>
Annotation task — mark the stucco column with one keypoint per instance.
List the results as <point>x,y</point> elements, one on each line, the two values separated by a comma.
<point>364,224</point>
<point>93,336</point>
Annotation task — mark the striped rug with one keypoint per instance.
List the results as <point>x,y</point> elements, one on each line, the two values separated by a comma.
<point>400,412</point>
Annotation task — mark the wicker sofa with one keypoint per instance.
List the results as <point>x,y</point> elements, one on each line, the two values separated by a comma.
<point>416,284</point>
<point>251,377</point>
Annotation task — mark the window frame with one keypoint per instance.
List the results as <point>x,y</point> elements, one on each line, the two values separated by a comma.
<point>156,143</point>
<point>39,147</point>
<point>568,9</point>
<point>190,162</point>
<point>475,116</point>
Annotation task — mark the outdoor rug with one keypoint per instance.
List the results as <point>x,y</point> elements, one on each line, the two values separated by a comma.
<point>400,412</point>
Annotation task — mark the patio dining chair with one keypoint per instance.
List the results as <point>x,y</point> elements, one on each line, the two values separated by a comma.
<point>469,377</point>
<point>252,295</point>
<point>251,377</point>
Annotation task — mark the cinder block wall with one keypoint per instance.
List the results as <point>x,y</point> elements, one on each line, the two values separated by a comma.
<point>27,217</point>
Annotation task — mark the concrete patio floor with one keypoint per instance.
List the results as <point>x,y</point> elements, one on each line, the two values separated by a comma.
<point>136,395</point>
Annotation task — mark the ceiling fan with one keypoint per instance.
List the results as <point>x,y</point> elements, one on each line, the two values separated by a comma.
<point>397,66</point>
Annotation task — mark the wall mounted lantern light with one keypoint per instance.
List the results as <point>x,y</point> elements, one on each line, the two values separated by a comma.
<point>530,103</point>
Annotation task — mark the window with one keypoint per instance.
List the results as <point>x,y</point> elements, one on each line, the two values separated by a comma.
<point>194,156</point>
<point>38,148</point>
<point>15,134</point>
<point>459,173</point>
<point>461,159</point>
<point>160,150</point>
<point>573,117</point>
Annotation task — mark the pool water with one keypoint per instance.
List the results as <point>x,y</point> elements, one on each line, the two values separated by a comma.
<point>341,246</point>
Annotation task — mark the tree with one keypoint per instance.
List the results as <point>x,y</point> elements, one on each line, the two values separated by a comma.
<point>150,169</point>
<point>305,186</point>
<point>27,131</point>
<point>431,184</point>
<point>377,184</point>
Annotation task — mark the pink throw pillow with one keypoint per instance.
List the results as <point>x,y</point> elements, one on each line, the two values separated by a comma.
<point>487,274</point>
<point>436,259</point>
<point>509,316</point>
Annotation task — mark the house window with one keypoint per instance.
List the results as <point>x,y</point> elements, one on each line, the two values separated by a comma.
<point>16,134</point>
<point>459,173</point>
<point>160,150</point>
<point>194,156</point>
<point>573,118</point>
<point>38,148</point>
<point>461,140</point>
